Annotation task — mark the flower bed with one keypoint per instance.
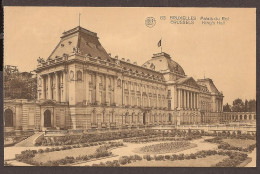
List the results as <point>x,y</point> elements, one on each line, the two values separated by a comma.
<point>27,156</point>
<point>166,147</point>
<point>234,158</point>
<point>106,136</point>
<point>95,137</point>
<point>227,146</point>
<point>155,138</point>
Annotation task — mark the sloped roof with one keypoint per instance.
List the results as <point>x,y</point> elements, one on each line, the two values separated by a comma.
<point>163,62</point>
<point>210,85</point>
<point>82,39</point>
<point>141,70</point>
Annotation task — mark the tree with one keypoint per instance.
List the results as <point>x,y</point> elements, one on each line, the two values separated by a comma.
<point>227,108</point>
<point>238,105</point>
<point>246,106</point>
<point>19,85</point>
<point>252,105</point>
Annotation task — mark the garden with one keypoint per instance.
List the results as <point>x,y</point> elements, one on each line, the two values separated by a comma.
<point>147,147</point>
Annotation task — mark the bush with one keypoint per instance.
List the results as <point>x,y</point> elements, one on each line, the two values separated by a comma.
<point>159,158</point>
<point>40,151</point>
<point>147,157</point>
<point>124,160</point>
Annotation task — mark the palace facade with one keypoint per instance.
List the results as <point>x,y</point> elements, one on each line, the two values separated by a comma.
<point>80,86</point>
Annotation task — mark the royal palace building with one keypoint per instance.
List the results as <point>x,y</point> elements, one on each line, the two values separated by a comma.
<point>80,86</point>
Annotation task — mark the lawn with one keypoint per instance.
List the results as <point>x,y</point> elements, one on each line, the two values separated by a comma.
<point>239,143</point>
<point>56,155</point>
<point>162,148</point>
<point>208,161</point>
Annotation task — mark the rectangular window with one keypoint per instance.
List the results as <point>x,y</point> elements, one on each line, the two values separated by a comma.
<point>127,120</point>
<point>94,118</point>
<point>169,93</point>
<point>126,100</point>
<point>169,104</point>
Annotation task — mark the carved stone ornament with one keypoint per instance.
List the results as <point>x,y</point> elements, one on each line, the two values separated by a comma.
<point>119,83</point>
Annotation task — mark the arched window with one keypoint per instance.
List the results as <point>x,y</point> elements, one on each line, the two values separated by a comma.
<point>71,75</point>
<point>47,118</point>
<point>79,75</point>
<point>8,118</point>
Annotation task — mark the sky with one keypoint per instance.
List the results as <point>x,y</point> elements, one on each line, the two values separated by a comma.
<point>225,53</point>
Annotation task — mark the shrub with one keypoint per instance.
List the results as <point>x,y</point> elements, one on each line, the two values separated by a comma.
<point>124,160</point>
<point>47,149</point>
<point>159,158</point>
<point>40,151</point>
<point>147,157</point>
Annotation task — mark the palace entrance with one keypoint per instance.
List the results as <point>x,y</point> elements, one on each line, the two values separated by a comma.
<point>8,118</point>
<point>47,118</point>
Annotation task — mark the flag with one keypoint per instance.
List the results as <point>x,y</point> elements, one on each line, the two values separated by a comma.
<point>160,43</point>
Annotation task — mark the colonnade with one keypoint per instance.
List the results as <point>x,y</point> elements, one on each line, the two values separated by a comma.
<point>53,86</point>
<point>187,99</point>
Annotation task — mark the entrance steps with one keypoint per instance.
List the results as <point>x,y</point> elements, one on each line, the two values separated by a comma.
<point>29,142</point>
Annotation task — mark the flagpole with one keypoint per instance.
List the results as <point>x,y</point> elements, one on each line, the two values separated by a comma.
<point>79,19</point>
<point>161,44</point>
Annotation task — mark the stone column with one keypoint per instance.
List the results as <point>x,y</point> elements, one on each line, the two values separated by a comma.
<point>97,90</point>
<point>114,86</point>
<point>49,86</point>
<point>185,101</point>
<point>156,102</point>
<point>179,98</point>
<point>193,100</point>
<point>64,86</point>
<point>87,80</point>
<point>197,100</point>
<point>188,99</point>
<point>57,87</point>
<point>43,88</point>
<point>123,92</point>
<point>182,98</point>
<point>107,90</point>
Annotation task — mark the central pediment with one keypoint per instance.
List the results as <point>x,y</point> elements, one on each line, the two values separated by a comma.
<point>188,81</point>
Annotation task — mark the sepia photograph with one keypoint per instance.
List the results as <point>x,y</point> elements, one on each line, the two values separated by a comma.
<point>129,86</point>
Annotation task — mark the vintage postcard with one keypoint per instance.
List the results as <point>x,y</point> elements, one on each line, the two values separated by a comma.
<point>129,87</point>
